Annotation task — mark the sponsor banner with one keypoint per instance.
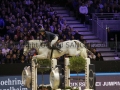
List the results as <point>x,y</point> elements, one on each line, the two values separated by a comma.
<point>104,81</point>
<point>63,45</point>
<point>15,82</point>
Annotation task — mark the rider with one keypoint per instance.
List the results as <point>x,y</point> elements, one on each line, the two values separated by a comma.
<point>50,37</point>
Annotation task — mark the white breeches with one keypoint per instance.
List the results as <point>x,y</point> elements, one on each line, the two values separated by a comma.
<point>54,41</point>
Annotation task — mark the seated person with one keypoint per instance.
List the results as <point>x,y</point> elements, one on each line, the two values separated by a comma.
<point>99,57</point>
<point>92,57</point>
<point>94,51</point>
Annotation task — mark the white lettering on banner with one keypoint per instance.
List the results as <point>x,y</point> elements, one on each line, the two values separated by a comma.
<point>11,82</point>
<point>82,84</point>
<point>13,88</point>
<point>111,84</point>
<point>2,83</point>
<point>98,83</point>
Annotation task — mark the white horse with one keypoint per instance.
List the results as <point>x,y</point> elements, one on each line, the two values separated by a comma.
<point>71,48</point>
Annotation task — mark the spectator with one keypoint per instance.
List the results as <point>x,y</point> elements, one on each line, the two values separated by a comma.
<point>83,10</point>
<point>14,59</point>
<point>7,59</point>
<point>88,45</point>
<point>55,30</point>
<point>2,43</point>
<point>64,38</point>
<point>11,44</point>
<point>15,39</point>
<point>69,35</point>
<point>11,31</point>
<point>61,20</point>
<point>84,42</point>
<point>1,57</point>
<point>92,57</point>
<point>7,39</point>
<point>94,51</point>
<point>11,53</point>
<point>58,27</point>
<point>60,35</point>
<point>22,59</point>
<point>81,39</point>
<point>5,50</point>
<point>99,57</point>
<point>108,10</point>
<point>20,44</point>
<point>90,2</point>
<point>72,37</point>
<point>77,35</point>
<point>90,10</point>
<point>28,60</point>
<point>71,29</point>
<point>18,55</point>
<point>2,23</point>
<point>100,4</point>
<point>64,31</point>
<point>105,7</point>
<point>14,49</point>
<point>64,24</point>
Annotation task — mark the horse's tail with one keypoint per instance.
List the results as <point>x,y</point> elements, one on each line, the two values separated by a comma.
<point>82,48</point>
<point>81,45</point>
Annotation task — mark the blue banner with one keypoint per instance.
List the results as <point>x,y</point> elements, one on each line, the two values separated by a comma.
<point>104,81</point>
<point>15,82</point>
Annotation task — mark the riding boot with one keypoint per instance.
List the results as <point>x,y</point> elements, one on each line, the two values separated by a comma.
<point>56,48</point>
<point>50,47</point>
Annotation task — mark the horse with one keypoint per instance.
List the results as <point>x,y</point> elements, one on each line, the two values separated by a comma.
<point>70,48</point>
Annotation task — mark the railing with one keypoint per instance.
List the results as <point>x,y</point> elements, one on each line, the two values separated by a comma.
<point>106,16</point>
<point>99,31</point>
<point>113,25</point>
<point>101,22</point>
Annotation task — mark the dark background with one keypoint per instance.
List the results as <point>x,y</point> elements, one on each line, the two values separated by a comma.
<point>101,66</point>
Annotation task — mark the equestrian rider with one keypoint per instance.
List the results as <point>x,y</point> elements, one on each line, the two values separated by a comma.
<point>50,37</point>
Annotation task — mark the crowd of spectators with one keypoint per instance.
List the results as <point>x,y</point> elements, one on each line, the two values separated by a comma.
<point>21,20</point>
<point>83,9</point>
<point>95,56</point>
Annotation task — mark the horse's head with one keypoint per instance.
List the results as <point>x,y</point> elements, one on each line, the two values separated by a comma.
<point>26,49</point>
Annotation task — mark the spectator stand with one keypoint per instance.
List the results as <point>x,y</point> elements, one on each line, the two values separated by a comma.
<point>22,25</point>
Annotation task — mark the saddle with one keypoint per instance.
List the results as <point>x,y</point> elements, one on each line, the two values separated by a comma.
<point>56,46</point>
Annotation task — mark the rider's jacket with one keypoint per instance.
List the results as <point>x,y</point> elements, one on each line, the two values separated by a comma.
<point>48,36</point>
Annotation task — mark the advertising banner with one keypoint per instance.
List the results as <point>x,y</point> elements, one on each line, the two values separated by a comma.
<point>15,82</point>
<point>104,81</point>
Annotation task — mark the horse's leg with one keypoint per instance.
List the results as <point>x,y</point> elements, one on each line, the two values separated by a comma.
<point>83,53</point>
<point>77,53</point>
<point>42,56</point>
